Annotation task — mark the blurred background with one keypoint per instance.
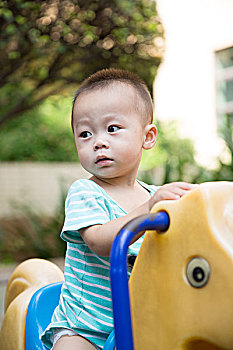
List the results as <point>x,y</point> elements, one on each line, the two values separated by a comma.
<point>182,49</point>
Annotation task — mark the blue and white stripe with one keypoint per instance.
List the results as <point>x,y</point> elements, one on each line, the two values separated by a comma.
<point>85,303</point>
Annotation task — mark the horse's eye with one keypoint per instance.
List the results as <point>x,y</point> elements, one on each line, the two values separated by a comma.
<point>197,272</point>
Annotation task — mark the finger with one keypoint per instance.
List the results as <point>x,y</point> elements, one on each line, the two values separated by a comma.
<point>167,195</point>
<point>180,191</point>
<point>185,185</point>
<point>173,193</point>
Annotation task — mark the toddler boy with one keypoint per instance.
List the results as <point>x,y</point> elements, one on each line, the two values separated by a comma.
<point>112,121</point>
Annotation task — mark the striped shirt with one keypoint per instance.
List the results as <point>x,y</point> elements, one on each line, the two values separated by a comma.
<point>85,302</point>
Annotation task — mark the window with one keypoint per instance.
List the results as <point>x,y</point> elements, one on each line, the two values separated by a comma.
<point>224,80</point>
<point>224,98</point>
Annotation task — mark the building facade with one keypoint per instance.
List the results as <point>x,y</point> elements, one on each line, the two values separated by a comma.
<point>194,85</point>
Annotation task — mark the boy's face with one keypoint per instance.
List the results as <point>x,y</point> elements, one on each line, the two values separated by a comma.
<point>109,132</point>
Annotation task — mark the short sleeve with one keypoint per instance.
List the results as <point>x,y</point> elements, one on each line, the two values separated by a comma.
<point>85,206</point>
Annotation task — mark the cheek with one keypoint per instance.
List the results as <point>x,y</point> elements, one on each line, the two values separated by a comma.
<point>130,152</point>
<point>84,159</point>
<point>82,154</point>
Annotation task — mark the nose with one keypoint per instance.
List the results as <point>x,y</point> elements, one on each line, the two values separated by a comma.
<point>100,143</point>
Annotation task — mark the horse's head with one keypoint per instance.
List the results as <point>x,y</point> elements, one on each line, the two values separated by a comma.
<point>182,283</point>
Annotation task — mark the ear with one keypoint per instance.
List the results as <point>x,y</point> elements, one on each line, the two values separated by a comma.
<point>149,136</point>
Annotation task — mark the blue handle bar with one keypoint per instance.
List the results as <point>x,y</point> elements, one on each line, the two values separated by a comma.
<point>119,275</point>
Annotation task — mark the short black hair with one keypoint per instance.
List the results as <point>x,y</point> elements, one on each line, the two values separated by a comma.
<point>106,77</point>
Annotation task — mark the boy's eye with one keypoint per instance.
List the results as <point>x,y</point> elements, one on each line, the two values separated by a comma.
<point>113,128</point>
<point>85,134</point>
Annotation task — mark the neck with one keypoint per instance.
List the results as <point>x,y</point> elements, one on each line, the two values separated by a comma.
<point>128,182</point>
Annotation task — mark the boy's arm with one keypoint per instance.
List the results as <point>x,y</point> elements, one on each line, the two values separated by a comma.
<point>99,238</point>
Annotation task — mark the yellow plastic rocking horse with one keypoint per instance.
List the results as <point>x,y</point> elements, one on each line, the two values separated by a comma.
<point>181,287</point>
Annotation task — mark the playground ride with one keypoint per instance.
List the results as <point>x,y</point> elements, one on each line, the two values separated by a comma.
<point>181,287</point>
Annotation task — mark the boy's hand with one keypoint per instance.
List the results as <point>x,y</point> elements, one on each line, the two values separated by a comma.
<point>99,238</point>
<point>171,191</point>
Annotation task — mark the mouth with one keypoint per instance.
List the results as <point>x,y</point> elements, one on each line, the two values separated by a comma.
<point>102,160</point>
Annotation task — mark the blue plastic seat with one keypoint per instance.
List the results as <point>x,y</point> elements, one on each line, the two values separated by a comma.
<point>39,313</point>
<point>40,310</point>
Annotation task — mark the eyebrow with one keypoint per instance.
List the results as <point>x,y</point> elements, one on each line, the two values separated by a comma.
<point>112,115</point>
<point>83,121</point>
<point>105,118</point>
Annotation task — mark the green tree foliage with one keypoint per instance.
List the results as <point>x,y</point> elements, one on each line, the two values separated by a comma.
<point>224,172</point>
<point>42,134</point>
<point>49,46</point>
<point>175,155</point>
